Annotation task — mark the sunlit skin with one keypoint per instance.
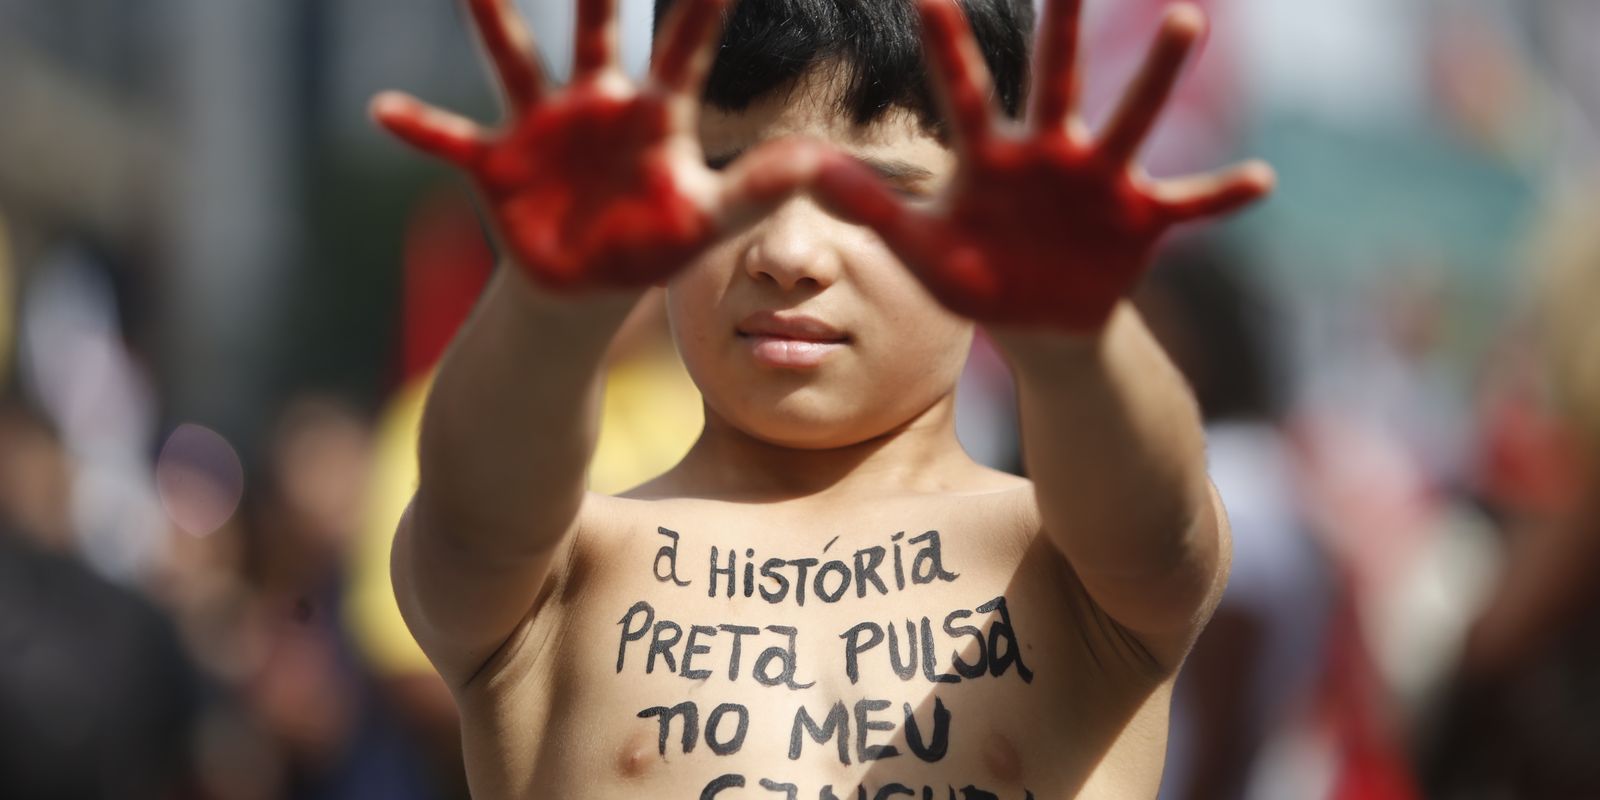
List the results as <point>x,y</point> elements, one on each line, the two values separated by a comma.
<point>828,369</point>
<point>898,351</point>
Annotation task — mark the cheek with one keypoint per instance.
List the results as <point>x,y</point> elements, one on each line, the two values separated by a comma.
<point>920,342</point>
<point>694,302</point>
<point>927,355</point>
<point>702,329</point>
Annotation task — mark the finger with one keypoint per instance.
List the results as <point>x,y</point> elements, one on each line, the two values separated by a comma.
<point>961,78</point>
<point>438,133</point>
<point>1182,27</point>
<point>1055,71</point>
<point>763,178</point>
<point>510,48</point>
<point>687,46</point>
<point>595,42</point>
<point>855,193</point>
<point>1215,195</point>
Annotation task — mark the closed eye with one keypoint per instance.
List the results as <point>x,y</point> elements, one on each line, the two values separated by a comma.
<point>721,162</point>
<point>905,178</point>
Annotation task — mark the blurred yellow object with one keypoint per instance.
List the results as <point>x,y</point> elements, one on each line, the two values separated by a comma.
<point>370,611</point>
<point>1567,260</point>
<point>651,416</point>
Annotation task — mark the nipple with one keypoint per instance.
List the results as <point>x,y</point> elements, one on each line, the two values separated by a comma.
<point>1002,759</point>
<point>636,755</point>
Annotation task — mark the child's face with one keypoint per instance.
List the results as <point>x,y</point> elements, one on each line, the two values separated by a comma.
<point>804,330</point>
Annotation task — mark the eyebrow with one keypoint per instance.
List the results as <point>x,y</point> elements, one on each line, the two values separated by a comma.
<point>890,169</point>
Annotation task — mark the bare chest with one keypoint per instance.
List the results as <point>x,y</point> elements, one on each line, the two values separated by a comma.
<point>916,660</point>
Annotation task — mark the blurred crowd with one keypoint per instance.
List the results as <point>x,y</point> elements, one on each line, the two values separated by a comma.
<point>222,292</point>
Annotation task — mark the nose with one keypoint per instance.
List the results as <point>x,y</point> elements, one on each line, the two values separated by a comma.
<point>793,249</point>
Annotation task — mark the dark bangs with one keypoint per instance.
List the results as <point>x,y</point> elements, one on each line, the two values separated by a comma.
<point>877,44</point>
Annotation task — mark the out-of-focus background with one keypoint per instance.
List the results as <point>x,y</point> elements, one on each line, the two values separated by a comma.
<point>222,290</point>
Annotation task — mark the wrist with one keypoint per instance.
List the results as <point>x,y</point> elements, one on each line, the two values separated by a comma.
<point>1037,350</point>
<point>599,308</point>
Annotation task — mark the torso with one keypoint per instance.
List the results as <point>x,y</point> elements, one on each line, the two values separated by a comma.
<point>1047,698</point>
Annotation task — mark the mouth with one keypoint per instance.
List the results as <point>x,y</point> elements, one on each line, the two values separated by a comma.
<point>790,341</point>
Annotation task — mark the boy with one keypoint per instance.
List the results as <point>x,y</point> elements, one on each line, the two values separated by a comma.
<point>826,598</point>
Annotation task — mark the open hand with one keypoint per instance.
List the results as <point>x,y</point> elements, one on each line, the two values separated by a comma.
<point>1043,225</point>
<point>601,184</point>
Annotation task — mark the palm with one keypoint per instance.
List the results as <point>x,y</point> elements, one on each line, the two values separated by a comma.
<point>601,183</point>
<point>1036,232</point>
<point>587,187</point>
<point>1042,226</point>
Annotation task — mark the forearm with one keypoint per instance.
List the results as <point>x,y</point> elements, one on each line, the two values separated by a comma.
<point>1113,442</point>
<point>511,420</point>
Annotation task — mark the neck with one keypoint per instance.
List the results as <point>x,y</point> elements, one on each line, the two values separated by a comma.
<point>920,455</point>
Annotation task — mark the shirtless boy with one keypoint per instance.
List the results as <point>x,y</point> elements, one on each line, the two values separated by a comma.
<point>826,598</point>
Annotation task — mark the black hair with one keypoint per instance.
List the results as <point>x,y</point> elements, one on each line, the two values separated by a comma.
<point>768,44</point>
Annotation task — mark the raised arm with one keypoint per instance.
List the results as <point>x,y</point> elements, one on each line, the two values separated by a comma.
<point>596,191</point>
<point>1041,236</point>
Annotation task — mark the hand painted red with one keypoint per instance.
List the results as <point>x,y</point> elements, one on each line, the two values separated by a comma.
<point>1043,225</point>
<point>601,184</point>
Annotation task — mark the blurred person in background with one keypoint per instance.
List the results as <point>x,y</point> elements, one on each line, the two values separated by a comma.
<point>1522,718</point>
<point>98,698</point>
<point>332,728</point>
<point>1250,675</point>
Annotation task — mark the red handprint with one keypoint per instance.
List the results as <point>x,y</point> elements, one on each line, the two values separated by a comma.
<point>602,184</point>
<point>1042,226</point>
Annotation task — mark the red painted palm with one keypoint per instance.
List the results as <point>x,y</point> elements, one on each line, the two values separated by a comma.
<point>1043,225</point>
<point>601,183</point>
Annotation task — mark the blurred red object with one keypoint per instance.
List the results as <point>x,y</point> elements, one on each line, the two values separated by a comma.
<point>1531,459</point>
<point>448,261</point>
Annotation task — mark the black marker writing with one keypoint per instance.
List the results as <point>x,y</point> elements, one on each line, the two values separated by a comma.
<point>786,659</point>
<point>691,724</point>
<point>887,791</point>
<point>835,726</point>
<point>778,580</point>
<point>929,564</point>
<point>739,632</point>
<point>692,649</point>
<point>775,665</point>
<point>1002,634</point>
<point>936,749</point>
<point>790,791</point>
<point>865,725</point>
<point>720,742</point>
<point>720,783</point>
<point>632,635</point>
<point>732,744</point>
<point>669,554</point>
<point>996,653</point>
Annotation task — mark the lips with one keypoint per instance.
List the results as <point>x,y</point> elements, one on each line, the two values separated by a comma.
<point>790,341</point>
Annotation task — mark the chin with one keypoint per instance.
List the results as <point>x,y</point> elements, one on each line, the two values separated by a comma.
<point>801,428</point>
<point>806,421</point>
